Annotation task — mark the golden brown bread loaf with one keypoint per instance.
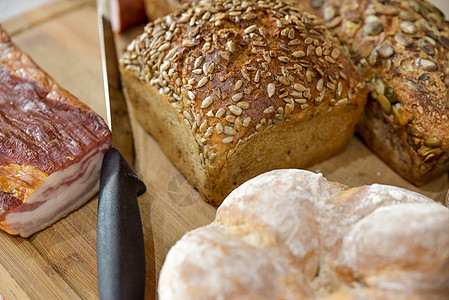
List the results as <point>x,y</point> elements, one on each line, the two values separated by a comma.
<point>402,50</point>
<point>291,234</point>
<point>233,90</point>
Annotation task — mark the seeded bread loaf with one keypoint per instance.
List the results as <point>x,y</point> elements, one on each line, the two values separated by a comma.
<point>401,49</point>
<point>231,91</point>
<point>291,234</point>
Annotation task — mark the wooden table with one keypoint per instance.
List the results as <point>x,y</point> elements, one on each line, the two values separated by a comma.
<point>60,261</point>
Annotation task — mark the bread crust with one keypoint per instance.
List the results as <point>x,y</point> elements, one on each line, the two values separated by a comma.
<point>231,91</point>
<point>401,49</point>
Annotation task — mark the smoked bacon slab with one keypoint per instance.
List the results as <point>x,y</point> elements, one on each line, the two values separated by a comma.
<point>51,146</point>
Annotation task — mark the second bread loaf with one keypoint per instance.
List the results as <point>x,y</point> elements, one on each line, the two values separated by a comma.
<point>402,50</point>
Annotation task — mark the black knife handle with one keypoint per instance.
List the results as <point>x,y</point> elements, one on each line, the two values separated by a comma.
<point>120,243</point>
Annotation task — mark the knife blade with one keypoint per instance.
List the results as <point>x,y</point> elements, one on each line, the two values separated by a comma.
<point>120,242</point>
<point>116,110</point>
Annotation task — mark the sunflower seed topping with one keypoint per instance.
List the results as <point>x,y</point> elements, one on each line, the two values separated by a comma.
<point>203,81</point>
<point>259,44</point>
<point>230,118</point>
<point>299,87</point>
<point>301,100</point>
<point>237,97</point>
<point>342,102</point>
<point>198,62</point>
<point>330,59</point>
<point>284,59</point>
<point>250,29</point>
<point>210,68</point>
<point>408,27</point>
<point>188,43</point>
<point>228,140</point>
<point>444,41</point>
<point>243,104</point>
<point>284,80</point>
<point>288,109</point>
<point>426,46</point>
<point>207,46</point>
<point>373,28</point>
<point>271,89</point>
<point>406,16</point>
<point>427,64</point>
<point>204,127</point>
<point>238,124</point>
<point>295,94</point>
<point>235,110</point>
<point>220,113</point>
<point>385,50</point>
<point>298,54</point>
<point>404,40</point>
<point>291,33</point>
<point>207,102</point>
<point>229,130</point>
<point>246,121</point>
<point>431,30</point>
<point>257,76</point>
<point>164,47</point>
<point>191,95</point>
<point>205,68</point>
<point>224,55</point>
<point>269,110</point>
<point>230,46</point>
<point>238,85</point>
<point>320,84</point>
<point>372,19</point>
<point>245,74</point>
<point>165,66</point>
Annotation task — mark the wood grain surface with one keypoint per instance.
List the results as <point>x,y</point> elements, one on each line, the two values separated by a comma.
<point>60,261</point>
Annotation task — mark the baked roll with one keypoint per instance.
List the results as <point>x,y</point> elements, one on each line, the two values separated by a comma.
<point>291,234</point>
<point>401,49</point>
<point>231,90</point>
<point>51,146</point>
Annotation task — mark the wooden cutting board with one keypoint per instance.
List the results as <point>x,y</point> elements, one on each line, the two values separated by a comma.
<point>60,261</point>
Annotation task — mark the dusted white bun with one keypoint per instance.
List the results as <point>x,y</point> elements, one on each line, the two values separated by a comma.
<point>291,234</point>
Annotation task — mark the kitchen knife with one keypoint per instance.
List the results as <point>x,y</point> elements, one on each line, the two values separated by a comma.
<point>120,243</point>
